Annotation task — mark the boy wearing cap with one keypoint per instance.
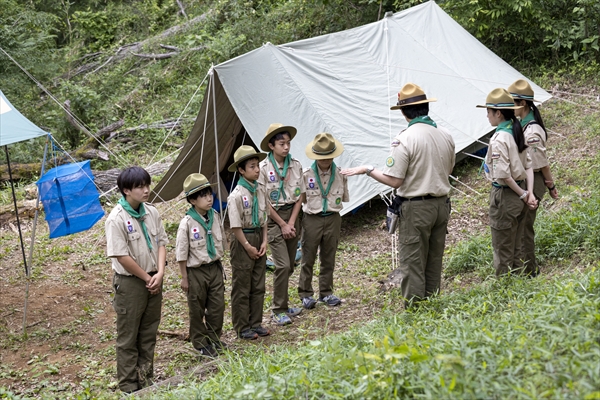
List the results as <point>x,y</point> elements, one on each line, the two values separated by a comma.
<point>326,189</point>
<point>421,158</point>
<point>281,175</point>
<point>135,242</point>
<point>247,206</point>
<point>198,249</point>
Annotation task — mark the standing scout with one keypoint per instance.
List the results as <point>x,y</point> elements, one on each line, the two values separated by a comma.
<point>326,189</point>
<point>198,250</point>
<point>135,242</point>
<point>281,175</point>
<point>247,205</point>
<point>421,158</point>
<point>508,166</point>
<point>535,134</point>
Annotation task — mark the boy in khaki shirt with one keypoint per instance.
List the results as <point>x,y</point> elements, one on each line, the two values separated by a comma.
<point>247,205</point>
<point>326,189</point>
<point>135,242</point>
<point>199,249</point>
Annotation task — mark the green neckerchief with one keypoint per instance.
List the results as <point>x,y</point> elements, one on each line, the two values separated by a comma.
<point>423,119</point>
<point>210,243</point>
<point>286,163</point>
<point>137,215</point>
<point>528,118</point>
<point>505,126</point>
<point>252,189</point>
<point>324,193</point>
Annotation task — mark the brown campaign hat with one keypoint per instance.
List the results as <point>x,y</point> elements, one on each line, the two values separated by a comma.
<point>324,146</point>
<point>194,183</point>
<point>499,98</point>
<point>243,153</point>
<point>273,130</point>
<point>409,95</point>
<point>521,90</point>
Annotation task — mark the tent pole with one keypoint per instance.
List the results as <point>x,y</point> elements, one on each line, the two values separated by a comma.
<point>216,140</point>
<point>31,244</point>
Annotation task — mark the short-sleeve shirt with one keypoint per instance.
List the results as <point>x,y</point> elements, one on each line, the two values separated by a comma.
<point>124,237</point>
<point>503,159</point>
<point>535,138</point>
<point>190,245</point>
<point>424,157</point>
<point>239,204</point>
<point>338,193</point>
<point>293,185</point>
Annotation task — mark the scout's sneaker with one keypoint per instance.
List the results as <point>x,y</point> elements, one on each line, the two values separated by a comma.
<point>281,319</point>
<point>293,312</point>
<point>309,302</point>
<point>331,300</point>
<point>248,334</point>
<point>220,346</point>
<point>260,331</point>
<point>208,351</point>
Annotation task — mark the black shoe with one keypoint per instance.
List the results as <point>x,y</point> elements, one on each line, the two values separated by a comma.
<point>260,331</point>
<point>220,346</point>
<point>209,351</point>
<point>248,334</point>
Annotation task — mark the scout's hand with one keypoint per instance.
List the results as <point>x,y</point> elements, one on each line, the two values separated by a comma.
<point>532,202</point>
<point>185,285</point>
<point>553,193</point>
<point>155,283</point>
<point>288,231</point>
<point>354,171</point>
<point>252,252</point>
<point>263,249</point>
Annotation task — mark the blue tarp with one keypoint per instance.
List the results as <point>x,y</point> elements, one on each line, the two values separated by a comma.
<point>70,199</point>
<point>14,127</point>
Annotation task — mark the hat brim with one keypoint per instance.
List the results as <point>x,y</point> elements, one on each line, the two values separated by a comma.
<point>264,144</point>
<point>412,104</point>
<point>197,189</point>
<point>500,107</point>
<point>339,149</point>
<point>260,156</point>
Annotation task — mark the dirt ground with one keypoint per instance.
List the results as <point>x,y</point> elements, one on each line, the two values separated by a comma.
<point>70,325</point>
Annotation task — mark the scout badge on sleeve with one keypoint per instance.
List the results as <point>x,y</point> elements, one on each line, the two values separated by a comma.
<point>311,183</point>
<point>129,226</point>
<point>246,202</point>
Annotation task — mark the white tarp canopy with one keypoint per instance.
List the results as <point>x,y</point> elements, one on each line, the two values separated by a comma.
<point>344,83</point>
<point>14,127</point>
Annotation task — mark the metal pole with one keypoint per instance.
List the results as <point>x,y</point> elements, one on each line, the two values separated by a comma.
<point>216,140</point>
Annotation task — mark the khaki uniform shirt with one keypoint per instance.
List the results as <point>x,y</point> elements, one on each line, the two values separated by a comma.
<point>535,138</point>
<point>239,204</point>
<point>124,237</point>
<point>191,241</point>
<point>423,156</point>
<point>338,192</point>
<point>503,159</point>
<point>293,184</point>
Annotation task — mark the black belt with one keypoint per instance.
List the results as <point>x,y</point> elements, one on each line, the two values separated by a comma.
<point>494,184</point>
<point>322,214</point>
<point>251,230</point>
<point>418,198</point>
<point>133,276</point>
<point>286,207</point>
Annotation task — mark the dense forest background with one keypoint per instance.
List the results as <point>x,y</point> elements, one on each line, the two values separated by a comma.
<point>141,61</point>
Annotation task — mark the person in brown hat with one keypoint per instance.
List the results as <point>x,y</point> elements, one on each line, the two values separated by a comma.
<point>198,250</point>
<point>536,136</point>
<point>247,205</point>
<point>281,175</point>
<point>326,189</point>
<point>508,167</point>
<point>421,159</point>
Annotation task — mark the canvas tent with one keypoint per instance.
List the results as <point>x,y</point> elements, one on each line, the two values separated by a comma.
<point>344,83</point>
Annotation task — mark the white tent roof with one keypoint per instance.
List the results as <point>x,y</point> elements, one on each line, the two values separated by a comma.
<point>344,83</point>
<point>14,127</point>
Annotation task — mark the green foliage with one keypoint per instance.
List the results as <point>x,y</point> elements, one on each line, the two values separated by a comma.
<point>474,254</point>
<point>510,338</point>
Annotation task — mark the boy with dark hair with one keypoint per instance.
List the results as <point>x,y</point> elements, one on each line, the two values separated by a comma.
<point>282,177</point>
<point>247,205</point>
<point>198,250</point>
<point>135,241</point>
<point>326,189</point>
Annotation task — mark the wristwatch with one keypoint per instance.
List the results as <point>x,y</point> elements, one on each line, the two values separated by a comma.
<point>370,169</point>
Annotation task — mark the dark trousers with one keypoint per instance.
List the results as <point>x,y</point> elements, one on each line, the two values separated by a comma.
<point>206,302</point>
<point>528,254</point>
<point>507,216</point>
<point>283,252</point>
<point>138,316</point>
<point>324,233</point>
<point>247,285</point>
<point>421,239</point>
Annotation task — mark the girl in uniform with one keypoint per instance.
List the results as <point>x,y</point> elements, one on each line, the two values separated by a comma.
<point>508,166</point>
<point>535,139</point>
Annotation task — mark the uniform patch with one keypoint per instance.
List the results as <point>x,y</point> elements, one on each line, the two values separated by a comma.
<point>274,195</point>
<point>297,192</point>
<point>395,143</point>
<point>129,226</point>
<point>272,176</point>
<point>485,168</point>
<point>495,156</point>
<point>311,183</point>
<point>245,201</point>
<point>338,200</point>
<point>389,162</point>
<point>196,233</point>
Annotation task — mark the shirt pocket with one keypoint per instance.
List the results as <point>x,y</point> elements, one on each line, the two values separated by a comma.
<point>134,236</point>
<point>194,244</point>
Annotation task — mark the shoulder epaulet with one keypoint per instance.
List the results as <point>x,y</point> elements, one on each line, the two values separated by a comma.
<point>532,122</point>
<point>306,169</point>
<point>263,162</point>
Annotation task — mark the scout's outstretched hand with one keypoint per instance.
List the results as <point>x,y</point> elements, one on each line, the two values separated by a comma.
<point>354,171</point>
